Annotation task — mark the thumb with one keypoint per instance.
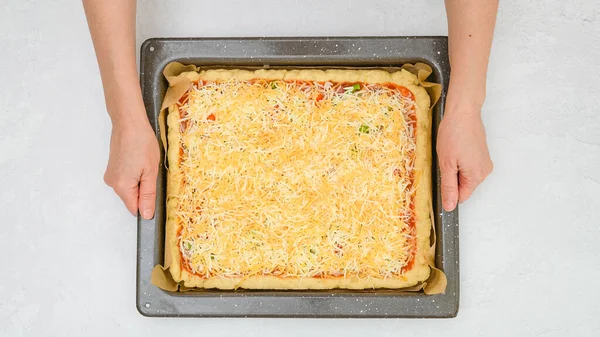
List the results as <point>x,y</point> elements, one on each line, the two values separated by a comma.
<point>449,187</point>
<point>147,196</point>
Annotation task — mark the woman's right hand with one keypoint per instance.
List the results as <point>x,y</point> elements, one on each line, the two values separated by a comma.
<point>134,152</point>
<point>133,167</point>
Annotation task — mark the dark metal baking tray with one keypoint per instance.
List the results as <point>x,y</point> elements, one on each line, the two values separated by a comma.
<point>301,52</point>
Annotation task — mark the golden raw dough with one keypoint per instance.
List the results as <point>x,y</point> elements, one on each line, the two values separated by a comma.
<point>423,162</point>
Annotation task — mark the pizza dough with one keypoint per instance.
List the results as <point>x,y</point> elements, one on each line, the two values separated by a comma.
<point>262,187</point>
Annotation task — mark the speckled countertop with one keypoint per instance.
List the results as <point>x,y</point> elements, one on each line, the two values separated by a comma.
<point>529,251</point>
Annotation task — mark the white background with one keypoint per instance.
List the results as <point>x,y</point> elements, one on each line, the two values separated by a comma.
<point>529,235</point>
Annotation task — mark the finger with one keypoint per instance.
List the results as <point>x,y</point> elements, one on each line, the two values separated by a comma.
<point>466,185</point>
<point>129,195</point>
<point>449,187</point>
<point>147,198</point>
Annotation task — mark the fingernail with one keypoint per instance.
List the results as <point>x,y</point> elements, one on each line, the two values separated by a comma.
<point>147,214</point>
<point>449,206</point>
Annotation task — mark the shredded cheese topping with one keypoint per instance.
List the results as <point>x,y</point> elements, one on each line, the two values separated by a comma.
<point>296,179</point>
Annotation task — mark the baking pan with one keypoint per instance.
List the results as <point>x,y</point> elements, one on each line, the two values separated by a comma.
<point>290,52</point>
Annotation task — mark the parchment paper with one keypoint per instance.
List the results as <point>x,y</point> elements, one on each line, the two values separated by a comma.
<point>179,83</point>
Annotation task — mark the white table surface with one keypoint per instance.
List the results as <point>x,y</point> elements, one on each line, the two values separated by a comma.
<point>530,258</point>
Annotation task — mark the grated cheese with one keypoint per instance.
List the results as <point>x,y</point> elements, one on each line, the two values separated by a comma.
<point>296,179</point>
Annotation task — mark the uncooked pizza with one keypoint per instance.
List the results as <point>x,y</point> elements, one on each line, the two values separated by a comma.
<point>299,179</point>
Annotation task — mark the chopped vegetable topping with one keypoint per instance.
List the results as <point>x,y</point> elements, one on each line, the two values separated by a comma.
<point>354,88</point>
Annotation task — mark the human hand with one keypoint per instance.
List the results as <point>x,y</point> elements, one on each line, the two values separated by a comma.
<point>462,150</point>
<point>133,167</point>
